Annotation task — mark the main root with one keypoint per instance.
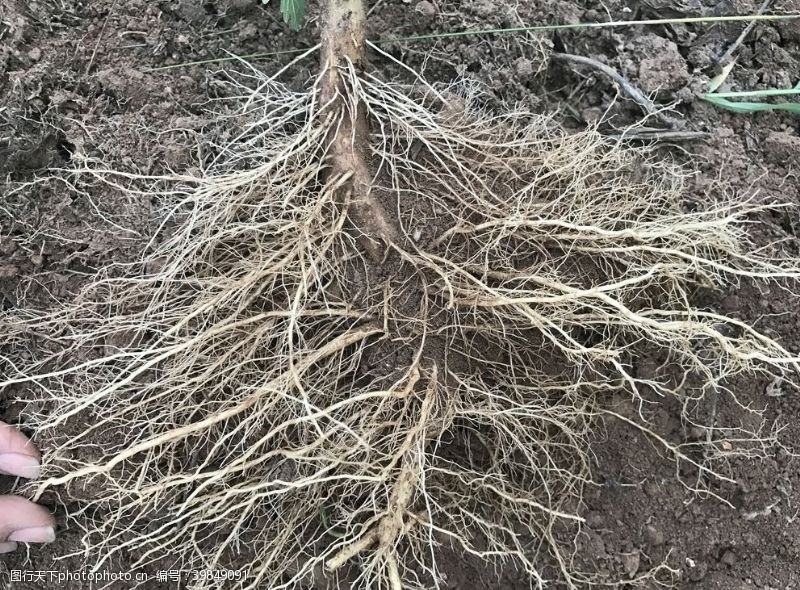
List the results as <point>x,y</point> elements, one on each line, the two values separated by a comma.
<point>262,392</point>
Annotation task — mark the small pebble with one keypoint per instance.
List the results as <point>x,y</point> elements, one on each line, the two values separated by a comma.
<point>426,9</point>
<point>248,32</point>
<point>592,114</point>
<point>729,558</point>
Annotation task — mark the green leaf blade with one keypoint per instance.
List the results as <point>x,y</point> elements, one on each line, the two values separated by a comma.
<point>293,11</point>
<point>751,107</point>
<point>719,80</point>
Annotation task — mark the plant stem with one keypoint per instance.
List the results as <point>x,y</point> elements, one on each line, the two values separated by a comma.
<point>757,93</point>
<point>343,56</point>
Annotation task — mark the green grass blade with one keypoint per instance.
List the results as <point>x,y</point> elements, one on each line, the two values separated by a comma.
<point>759,93</point>
<point>751,107</point>
<point>596,25</point>
<point>719,80</point>
<point>293,11</point>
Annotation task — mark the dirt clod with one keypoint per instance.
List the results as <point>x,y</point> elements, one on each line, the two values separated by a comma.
<point>630,563</point>
<point>653,536</point>
<point>524,68</point>
<point>661,68</point>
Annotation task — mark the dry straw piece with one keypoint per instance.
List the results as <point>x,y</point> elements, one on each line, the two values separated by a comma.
<point>385,325</point>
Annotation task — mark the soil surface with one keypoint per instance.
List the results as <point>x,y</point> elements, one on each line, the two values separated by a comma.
<point>77,77</point>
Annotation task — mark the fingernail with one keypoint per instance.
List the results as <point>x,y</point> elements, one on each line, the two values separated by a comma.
<point>19,465</point>
<point>37,534</point>
<point>8,547</point>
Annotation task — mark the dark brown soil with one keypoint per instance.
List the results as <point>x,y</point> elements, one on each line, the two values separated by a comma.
<point>75,80</point>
